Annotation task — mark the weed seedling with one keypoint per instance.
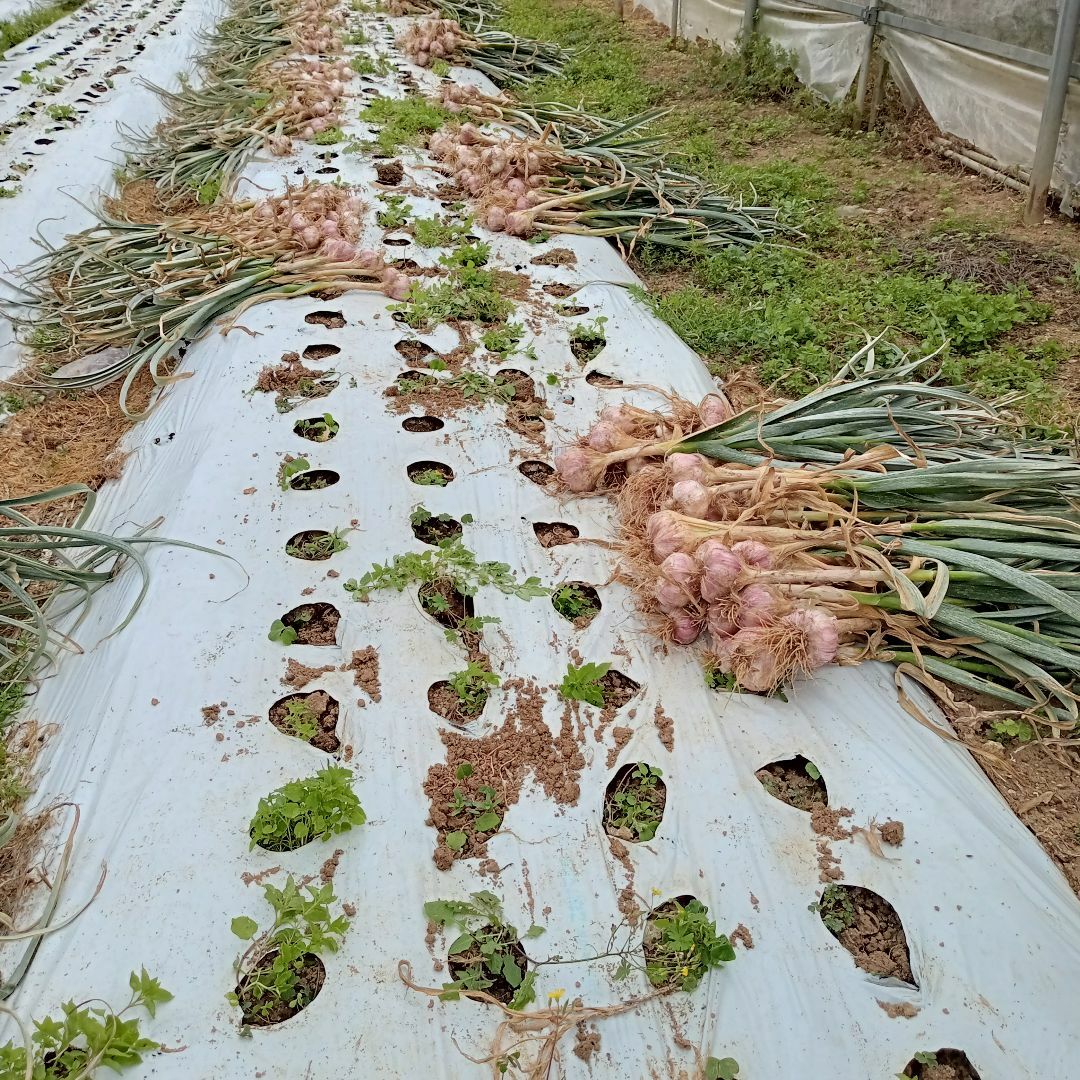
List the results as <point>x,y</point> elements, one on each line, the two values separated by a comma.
<point>289,468</point>
<point>835,908</point>
<point>318,429</point>
<point>486,955</point>
<point>583,683</point>
<point>404,121</point>
<point>329,136</point>
<point>469,294</point>
<point>316,807</point>
<point>318,547</point>
<point>721,1069</point>
<point>279,632</point>
<point>572,603</point>
<point>587,340</point>
<point>637,804</point>
<point>430,478</point>
<point>1003,731</point>
<point>300,720</point>
<point>76,1043</point>
<point>681,945</point>
<point>505,339</point>
<point>396,213</point>
<point>472,687</point>
<point>440,231</point>
<point>274,974</point>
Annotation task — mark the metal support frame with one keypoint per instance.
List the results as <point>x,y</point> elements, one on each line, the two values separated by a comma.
<point>869,16</point>
<point>749,19</point>
<point>1057,87</point>
<point>676,19</point>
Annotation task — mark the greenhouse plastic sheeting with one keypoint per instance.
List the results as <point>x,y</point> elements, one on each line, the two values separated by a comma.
<point>166,796</point>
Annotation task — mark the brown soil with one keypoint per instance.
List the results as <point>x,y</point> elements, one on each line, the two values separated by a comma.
<point>826,821</point>
<point>322,351</point>
<point>291,379</point>
<point>951,1065</point>
<point>65,439</point>
<point>618,690</point>
<point>365,668</point>
<point>526,413</point>
<point>898,1010</point>
<point>503,759</point>
<point>624,782</point>
<point>418,468</point>
<point>620,736</point>
<point>298,675</point>
<point>539,472</point>
<point>311,980</point>
<point>560,291</point>
<point>321,708</point>
<point>434,531</point>
<point>553,533</point>
<point>892,833</point>
<point>599,378</point>
<point>435,396</point>
<point>421,423</point>
<point>586,1042</point>
<point>556,257</point>
<point>389,172</point>
<point>789,782</point>
<point>315,624</point>
<point>876,939</point>
<point>332,320</point>
<point>573,309</point>
<point>500,989</point>
<point>416,353</point>
<point>665,728</point>
<point>329,868</point>
<point>741,936</point>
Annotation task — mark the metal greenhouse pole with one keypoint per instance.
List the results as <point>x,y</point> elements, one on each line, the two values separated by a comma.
<point>1057,87</point>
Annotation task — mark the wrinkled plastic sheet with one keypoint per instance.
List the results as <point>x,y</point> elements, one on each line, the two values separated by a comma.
<point>993,929</point>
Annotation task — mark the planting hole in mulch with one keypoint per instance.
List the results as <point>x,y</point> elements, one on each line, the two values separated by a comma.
<point>618,689</point>
<point>318,429</point>
<point>415,352</point>
<point>796,781</point>
<point>327,170</point>
<point>553,533</point>
<point>264,1009</point>
<point>430,473</point>
<point>943,1064</point>
<point>434,528</point>
<point>559,256</point>
<point>389,172</point>
<point>312,717</point>
<point>315,624</point>
<point>869,928</point>
<point>314,480</point>
<point>525,412</point>
<point>652,944</point>
<point>634,803</point>
<point>602,379</point>
<point>572,309</point>
<point>539,472</point>
<point>314,545</point>
<point>445,701</point>
<point>332,320</point>
<point>446,604</point>
<point>422,423</point>
<point>397,241</point>
<point>559,290</point>
<point>322,351</point>
<point>586,342</point>
<point>579,603</point>
<point>471,965</point>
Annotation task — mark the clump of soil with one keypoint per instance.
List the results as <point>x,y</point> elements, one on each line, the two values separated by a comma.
<point>741,936</point>
<point>586,1042</point>
<point>553,533</point>
<point>826,822</point>
<point>618,690</point>
<point>539,472</point>
<point>873,933</point>
<point>502,760</point>
<point>559,290</point>
<point>315,624</point>
<point>892,832</point>
<point>365,668</point>
<point>332,320</point>
<point>795,781</point>
<point>665,728</point>
<point>316,709</point>
<point>311,978</point>
<point>437,397</point>
<point>559,256</point>
<point>445,701</point>
<point>525,412</point>
<point>389,172</point>
<point>298,675</point>
<point>291,379</point>
<point>948,1065</point>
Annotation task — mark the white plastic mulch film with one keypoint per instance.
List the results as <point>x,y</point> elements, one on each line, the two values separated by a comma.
<point>991,102</point>
<point>166,794</point>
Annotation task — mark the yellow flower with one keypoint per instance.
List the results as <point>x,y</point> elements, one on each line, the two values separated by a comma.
<point>685,971</point>
<point>556,995</point>
<point>656,892</point>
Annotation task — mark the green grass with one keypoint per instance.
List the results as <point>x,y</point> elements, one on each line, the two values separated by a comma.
<point>404,121</point>
<point>16,30</point>
<point>795,313</point>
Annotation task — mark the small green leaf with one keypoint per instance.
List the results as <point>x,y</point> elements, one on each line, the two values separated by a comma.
<point>815,774</point>
<point>487,822</point>
<point>244,927</point>
<point>534,931</point>
<point>461,944</point>
<point>456,841</point>
<point>463,771</point>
